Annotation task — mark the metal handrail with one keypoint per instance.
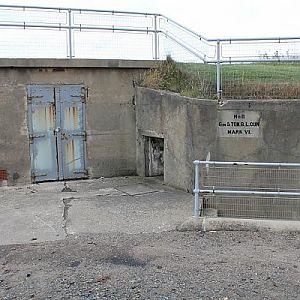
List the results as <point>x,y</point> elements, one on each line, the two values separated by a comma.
<point>203,56</point>
<point>243,163</point>
<point>78,9</point>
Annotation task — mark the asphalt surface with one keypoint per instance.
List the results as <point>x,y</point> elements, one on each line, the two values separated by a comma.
<point>116,239</point>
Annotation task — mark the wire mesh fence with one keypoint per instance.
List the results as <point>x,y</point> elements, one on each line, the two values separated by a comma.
<point>89,44</point>
<point>30,32</point>
<point>33,43</point>
<point>252,206</point>
<point>228,68</point>
<point>260,50</point>
<point>247,190</point>
<point>249,177</point>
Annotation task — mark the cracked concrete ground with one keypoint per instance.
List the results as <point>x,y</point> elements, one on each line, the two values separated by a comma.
<point>115,239</point>
<point>42,212</point>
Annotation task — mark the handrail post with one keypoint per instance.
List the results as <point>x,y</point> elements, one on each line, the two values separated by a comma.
<point>156,54</point>
<point>197,190</point>
<point>219,88</point>
<point>70,34</point>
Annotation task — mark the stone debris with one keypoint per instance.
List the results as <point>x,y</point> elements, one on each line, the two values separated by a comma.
<point>67,189</point>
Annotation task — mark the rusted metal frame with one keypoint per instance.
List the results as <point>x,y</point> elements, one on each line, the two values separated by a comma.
<point>30,131</point>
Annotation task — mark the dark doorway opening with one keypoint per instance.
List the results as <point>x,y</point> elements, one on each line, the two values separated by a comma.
<point>154,156</point>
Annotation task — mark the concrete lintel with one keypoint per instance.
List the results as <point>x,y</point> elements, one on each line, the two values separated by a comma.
<point>75,63</point>
<point>236,224</point>
<point>151,133</point>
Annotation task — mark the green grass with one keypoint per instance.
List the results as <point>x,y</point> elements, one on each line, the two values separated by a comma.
<point>258,72</point>
<point>280,72</point>
<point>239,81</point>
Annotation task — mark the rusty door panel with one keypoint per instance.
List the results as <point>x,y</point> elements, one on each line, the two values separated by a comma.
<point>73,130</point>
<point>56,125</point>
<point>72,105</point>
<point>41,124</point>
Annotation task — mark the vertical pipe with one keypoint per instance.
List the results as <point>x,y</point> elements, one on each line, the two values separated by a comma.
<point>70,34</point>
<point>197,190</point>
<point>156,55</point>
<point>219,90</point>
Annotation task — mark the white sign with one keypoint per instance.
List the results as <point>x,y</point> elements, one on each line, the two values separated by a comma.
<point>239,124</point>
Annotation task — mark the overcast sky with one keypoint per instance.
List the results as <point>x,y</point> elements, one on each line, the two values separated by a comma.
<point>211,18</point>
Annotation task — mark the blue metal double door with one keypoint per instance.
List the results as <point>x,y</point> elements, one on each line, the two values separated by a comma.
<point>56,126</point>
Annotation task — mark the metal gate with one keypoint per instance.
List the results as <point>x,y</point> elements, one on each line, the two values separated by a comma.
<point>56,125</point>
<point>247,190</point>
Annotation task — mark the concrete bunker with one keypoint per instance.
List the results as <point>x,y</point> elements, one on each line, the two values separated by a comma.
<point>98,132</point>
<point>199,129</point>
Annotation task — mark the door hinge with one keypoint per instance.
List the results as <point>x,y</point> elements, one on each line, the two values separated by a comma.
<point>33,136</point>
<point>84,94</point>
<point>29,98</point>
<point>34,176</point>
<point>85,172</point>
<point>83,134</point>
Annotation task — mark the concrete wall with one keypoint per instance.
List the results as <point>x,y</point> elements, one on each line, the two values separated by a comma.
<point>110,111</point>
<point>263,131</point>
<point>188,130</point>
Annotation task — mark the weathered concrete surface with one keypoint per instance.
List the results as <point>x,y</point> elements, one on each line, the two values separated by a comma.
<point>75,63</point>
<point>190,129</point>
<point>187,125</point>
<point>279,139</point>
<point>233,224</point>
<point>42,212</point>
<point>199,129</point>
<point>110,111</point>
<point>41,220</point>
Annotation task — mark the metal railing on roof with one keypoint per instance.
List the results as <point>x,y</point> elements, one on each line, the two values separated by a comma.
<point>49,32</point>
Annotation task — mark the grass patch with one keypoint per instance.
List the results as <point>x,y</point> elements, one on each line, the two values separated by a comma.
<point>179,78</point>
<point>239,81</point>
<point>261,81</point>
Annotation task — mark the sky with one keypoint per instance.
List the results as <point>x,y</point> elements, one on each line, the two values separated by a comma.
<point>210,18</point>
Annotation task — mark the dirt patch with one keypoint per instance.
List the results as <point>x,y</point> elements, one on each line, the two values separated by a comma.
<point>169,265</point>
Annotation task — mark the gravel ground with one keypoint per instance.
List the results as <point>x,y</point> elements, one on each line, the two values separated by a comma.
<point>168,265</point>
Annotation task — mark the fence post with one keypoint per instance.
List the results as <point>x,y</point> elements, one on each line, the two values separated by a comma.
<point>197,189</point>
<point>156,54</point>
<point>70,34</point>
<point>219,88</point>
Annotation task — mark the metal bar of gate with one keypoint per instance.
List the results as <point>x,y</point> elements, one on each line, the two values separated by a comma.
<point>241,163</point>
<point>198,191</point>
<point>240,192</point>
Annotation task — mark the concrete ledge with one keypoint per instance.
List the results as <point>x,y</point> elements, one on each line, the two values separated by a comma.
<point>75,63</point>
<point>232,224</point>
